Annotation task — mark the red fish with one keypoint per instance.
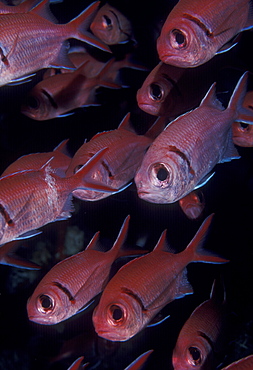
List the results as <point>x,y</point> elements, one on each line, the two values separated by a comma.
<point>8,257</point>
<point>30,199</point>
<point>142,287</point>
<point>59,163</point>
<point>73,283</point>
<point>245,363</point>
<point>202,335</point>
<point>24,7</point>
<point>243,132</point>
<point>182,157</point>
<point>193,204</point>
<point>194,32</point>
<point>30,42</point>
<point>111,26</point>
<point>125,153</point>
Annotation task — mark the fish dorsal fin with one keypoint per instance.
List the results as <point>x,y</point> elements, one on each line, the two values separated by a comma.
<point>62,147</point>
<point>210,98</point>
<point>43,10</point>
<point>157,127</point>
<point>120,238</point>
<point>125,124</point>
<point>94,242</point>
<point>161,244</point>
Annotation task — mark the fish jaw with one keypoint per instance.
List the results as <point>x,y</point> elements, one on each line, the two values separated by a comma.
<point>183,44</point>
<point>117,318</point>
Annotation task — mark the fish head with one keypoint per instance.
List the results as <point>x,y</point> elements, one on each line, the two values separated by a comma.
<point>118,318</point>
<point>159,94</point>
<point>164,176</point>
<point>192,354</point>
<point>48,305</point>
<point>111,26</point>
<point>184,43</point>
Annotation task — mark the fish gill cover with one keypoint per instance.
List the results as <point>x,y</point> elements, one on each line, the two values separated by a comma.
<point>92,99</point>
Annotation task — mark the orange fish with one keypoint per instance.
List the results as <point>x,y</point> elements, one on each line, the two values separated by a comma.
<point>182,157</point>
<point>243,132</point>
<point>73,283</point>
<point>245,363</point>
<point>142,287</point>
<point>125,153</point>
<point>111,26</point>
<point>193,204</point>
<point>30,42</point>
<point>194,32</point>
<point>59,163</point>
<point>30,199</point>
<point>202,335</point>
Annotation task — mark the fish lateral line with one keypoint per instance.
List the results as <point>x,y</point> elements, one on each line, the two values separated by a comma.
<point>6,216</point>
<point>199,23</point>
<point>130,293</point>
<point>174,149</point>
<point>65,290</point>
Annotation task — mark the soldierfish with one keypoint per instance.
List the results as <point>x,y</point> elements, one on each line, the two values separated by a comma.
<point>195,31</point>
<point>30,199</point>
<point>245,363</point>
<point>243,132</point>
<point>193,204</point>
<point>59,163</point>
<point>183,155</point>
<point>30,42</point>
<point>124,156</point>
<point>142,287</point>
<point>73,283</point>
<point>203,334</point>
<point>111,26</point>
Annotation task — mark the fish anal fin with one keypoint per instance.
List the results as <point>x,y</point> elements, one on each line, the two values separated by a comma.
<point>62,60</point>
<point>184,287</point>
<point>43,10</point>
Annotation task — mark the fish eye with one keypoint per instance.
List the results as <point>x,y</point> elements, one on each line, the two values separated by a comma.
<point>178,39</point>
<point>107,22</point>
<point>116,314</point>
<point>194,356</point>
<point>33,102</point>
<point>160,175</point>
<point>46,303</point>
<point>243,126</point>
<point>156,92</point>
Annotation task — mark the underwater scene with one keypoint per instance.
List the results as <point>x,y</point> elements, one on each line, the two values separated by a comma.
<point>126,186</point>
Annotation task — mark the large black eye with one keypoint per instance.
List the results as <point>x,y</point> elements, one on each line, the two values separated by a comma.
<point>116,313</point>
<point>33,102</point>
<point>162,174</point>
<point>178,39</point>
<point>195,357</point>
<point>244,126</point>
<point>46,302</point>
<point>107,22</point>
<point>156,92</point>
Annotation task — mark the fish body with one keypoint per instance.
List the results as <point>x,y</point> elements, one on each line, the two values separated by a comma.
<point>194,32</point>
<point>111,26</point>
<point>202,334</point>
<point>23,7</point>
<point>183,155</point>
<point>243,132</point>
<point>142,287</point>
<point>30,199</point>
<point>245,363</point>
<point>125,153</point>
<point>30,42</point>
<point>59,163</point>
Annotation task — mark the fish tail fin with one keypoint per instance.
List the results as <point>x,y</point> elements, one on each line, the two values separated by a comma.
<point>157,127</point>
<point>79,27</point>
<point>237,98</point>
<point>195,247</point>
<point>82,180</point>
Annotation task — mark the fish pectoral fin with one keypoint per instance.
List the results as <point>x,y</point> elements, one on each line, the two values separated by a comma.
<point>21,80</point>
<point>28,234</point>
<point>16,261</point>
<point>88,304</point>
<point>157,320</point>
<point>204,180</point>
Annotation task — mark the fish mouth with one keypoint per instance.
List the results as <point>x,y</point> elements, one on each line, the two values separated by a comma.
<point>148,108</point>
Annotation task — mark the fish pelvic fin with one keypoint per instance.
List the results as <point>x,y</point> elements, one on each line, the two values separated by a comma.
<point>195,247</point>
<point>79,27</point>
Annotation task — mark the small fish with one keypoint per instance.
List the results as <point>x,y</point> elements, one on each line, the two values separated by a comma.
<point>243,132</point>
<point>193,204</point>
<point>59,163</point>
<point>61,93</point>
<point>142,287</point>
<point>202,335</point>
<point>30,42</point>
<point>72,284</point>
<point>9,258</point>
<point>182,157</point>
<point>126,151</point>
<point>245,363</point>
<point>193,33</point>
<point>111,26</point>
<point>30,199</point>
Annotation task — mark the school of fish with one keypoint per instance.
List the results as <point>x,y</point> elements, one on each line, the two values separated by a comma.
<point>179,124</point>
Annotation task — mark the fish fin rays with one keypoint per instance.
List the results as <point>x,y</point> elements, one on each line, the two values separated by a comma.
<point>204,180</point>
<point>210,98</point>
<point>43,10</point>
<point>62,60</point>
